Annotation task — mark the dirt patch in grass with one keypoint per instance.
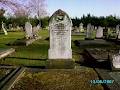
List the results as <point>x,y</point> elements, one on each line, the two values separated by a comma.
<point>71,79</point>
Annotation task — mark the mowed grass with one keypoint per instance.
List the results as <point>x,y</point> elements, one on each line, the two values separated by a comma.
<point>32,55</point>
<point>12,36</point>
<point>35,54</point>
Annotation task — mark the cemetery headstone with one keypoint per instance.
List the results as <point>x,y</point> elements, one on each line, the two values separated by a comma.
<point>116,62</point>
<point>89,31</point>
<point>117,29</point>
<point>119,35</point>
<point>10,26</point>
<point>35,32</point>
<point>81,27</point>
<point>60,27</point>
<point>99,33</point>
<point>95,28</point>
<point>105,33</point>
<point>3,28</point>
<point>39,26</point>
<point>92,27</point>
<point>28,30</point>
<point>77,29</point>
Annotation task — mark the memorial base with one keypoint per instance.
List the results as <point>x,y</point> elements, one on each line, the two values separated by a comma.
<point>99,38</point>
<point>89,38</point>
<point>60,64</point>
<point>59,54</point>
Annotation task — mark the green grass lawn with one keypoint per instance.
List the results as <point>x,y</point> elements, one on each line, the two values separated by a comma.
<point>32,55</point>
<point>35,54</point>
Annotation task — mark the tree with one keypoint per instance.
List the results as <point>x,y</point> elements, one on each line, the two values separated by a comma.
<point>12,4</point>
<point>21,12</point>
<point>2,11</point>
<point>37,8</point>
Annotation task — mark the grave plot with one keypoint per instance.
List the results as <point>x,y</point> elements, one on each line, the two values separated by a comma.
<point>7,76</point>
<point>4,72</point>
<point>6,52</point>
<point>99,58</point>
<point>94,43</point>
<point>62,79</point>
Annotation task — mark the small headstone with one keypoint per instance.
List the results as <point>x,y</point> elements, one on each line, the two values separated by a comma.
<point>10,26</point>
<point>60,27</point>
<point>81,27</point>
<point>3,28</point>
<point>35,32</point>
<point>28,30</point>
<point>77,29</point>
<point>99,33</point>
<point>116,62</point>
<point>89,31</point>
<point>105,32</point>
<point>92,28</point>
<point>117,29</point>
<point>119,35</point>
<point>18,28</point>
<point>95,28</point>
<point>39,26</point>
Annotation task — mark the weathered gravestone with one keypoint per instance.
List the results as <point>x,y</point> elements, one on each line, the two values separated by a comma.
<point>75,31</point>
<point>119,35</point>
<point>3,28</point>
<point>28,30</point>
<point>105,33</point>
<point>116,62</point>
<point>81,27</point>
<point>117,29</point>
<point>35,31</point>
<point>60,27</point>
<point>99,33</point>
<point>89,31</point>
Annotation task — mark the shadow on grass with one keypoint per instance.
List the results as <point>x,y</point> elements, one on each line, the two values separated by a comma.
<point>27,58</point>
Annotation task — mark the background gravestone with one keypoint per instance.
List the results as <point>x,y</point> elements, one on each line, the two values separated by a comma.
<point>77,29</point>
<point>3,28</point>
<point>117,29</point>
<point>99,33</point>
<point>35,32</point>
<point>116,62</point>
<point>81,27</point>
<point>105,33</point>
<point>60,27</point>
<point>28,30</point>
<point>89,32</point>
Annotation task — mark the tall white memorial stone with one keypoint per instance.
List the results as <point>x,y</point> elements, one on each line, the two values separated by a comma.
<point>60,27</point>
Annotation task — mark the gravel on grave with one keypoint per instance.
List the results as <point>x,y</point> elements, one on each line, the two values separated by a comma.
<point>4,72</point>
<point>62,79</point>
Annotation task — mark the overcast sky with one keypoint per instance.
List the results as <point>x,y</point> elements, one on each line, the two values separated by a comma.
<point>79,7</point>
